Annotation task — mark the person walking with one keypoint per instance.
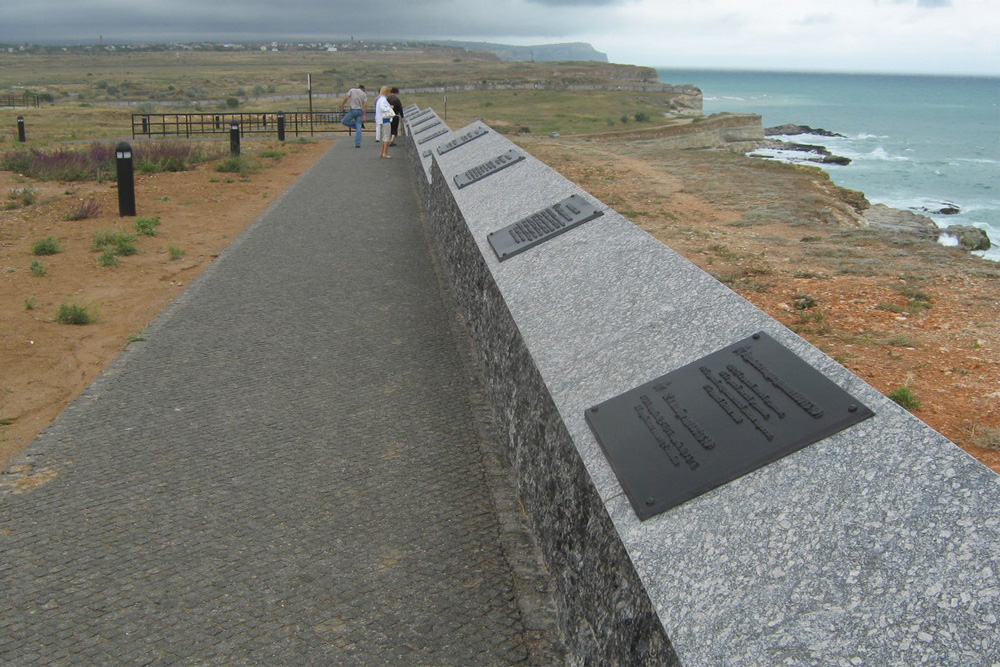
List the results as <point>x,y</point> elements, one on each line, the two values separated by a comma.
<point>383,116</point>
<point>397,106</point>
<point>358,101</point>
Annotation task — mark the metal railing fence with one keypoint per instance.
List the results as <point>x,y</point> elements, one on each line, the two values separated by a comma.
<point>296,123</point>
<point>20,100</point>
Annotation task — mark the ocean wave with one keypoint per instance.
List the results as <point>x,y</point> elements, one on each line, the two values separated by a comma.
<point>977,160</point>
<point>879,153</point>
<point>864,136</point>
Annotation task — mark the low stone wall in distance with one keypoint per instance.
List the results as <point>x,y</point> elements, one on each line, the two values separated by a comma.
<point>877,545</point>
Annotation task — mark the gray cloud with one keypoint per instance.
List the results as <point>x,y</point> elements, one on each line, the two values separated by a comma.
<point>166,20</point>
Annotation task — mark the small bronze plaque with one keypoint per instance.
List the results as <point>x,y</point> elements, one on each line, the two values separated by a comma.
<point>462,140</point>
<point>716,419</point>
<point>542,226</point>
<point>488,168</point>
<point>427,127</point>
<point>443,130</point>
<point>414,117</point>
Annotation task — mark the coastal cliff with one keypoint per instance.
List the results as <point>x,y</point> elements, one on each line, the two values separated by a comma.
<point>536,53</point>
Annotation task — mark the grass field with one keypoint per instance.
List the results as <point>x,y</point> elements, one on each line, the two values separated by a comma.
<point>94,95</point>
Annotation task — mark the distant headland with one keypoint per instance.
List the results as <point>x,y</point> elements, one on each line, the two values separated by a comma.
<point>539,52</point>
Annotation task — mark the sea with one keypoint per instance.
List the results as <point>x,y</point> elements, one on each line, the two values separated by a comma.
<point>924,143</point>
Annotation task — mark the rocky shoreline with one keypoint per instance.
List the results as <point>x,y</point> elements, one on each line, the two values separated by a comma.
<point>878,216</point>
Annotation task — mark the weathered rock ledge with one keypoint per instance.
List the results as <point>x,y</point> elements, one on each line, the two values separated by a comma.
<point>881,216</point>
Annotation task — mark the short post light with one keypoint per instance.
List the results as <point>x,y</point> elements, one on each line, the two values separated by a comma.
<point>234,138</point>
<point>281,126</point>
<point>126,179</point>
<point>20,129</point>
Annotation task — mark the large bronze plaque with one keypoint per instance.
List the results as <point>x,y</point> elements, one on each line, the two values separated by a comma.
<point>716,419</point>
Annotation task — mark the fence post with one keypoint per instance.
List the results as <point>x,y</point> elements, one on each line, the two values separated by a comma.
<point>281,126</point>
<point>234,138</point>
<point>20,129</point>
<point>145,125</point>
<point>126,179</point>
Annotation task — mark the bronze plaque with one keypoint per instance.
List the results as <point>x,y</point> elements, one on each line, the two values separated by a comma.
<point>488,168</point>
<point>461,140</point>
<point>435,135</point>
<point>427,127</point>
<point>716,419</point>
<point>542,226</point>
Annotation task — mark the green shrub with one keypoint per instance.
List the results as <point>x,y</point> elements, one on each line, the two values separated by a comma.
<point>114,242</point>
<point>147,226</point>
<point>75,314</point>
<point>905,397</point>
<point>22,197</point>
<point>174,252</point>
<point>107,258</point>
<point>46,246</point>
<point>38,269</point>
<point>235,164</point>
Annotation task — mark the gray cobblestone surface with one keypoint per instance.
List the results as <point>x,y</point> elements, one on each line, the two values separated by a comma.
<point>287,471</point>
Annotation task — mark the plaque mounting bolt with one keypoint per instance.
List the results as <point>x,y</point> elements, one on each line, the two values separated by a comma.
<point>852,408</point>
<point>650,502</point>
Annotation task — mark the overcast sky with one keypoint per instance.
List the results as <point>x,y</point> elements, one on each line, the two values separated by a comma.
<point>912,36</point>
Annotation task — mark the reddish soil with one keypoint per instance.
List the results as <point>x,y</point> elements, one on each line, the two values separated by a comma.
<point>44,365</point>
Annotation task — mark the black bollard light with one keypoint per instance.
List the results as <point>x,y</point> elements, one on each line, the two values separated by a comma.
<point>281,126</point>
<point>20,129</point>
<point>145,125</point>
<point>126,179</point>
<point>234,139</point>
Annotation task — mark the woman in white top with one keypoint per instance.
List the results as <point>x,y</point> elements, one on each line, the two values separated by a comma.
<point>383,116</point>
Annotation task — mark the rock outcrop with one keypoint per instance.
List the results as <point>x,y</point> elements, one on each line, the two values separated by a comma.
<point>790,129</point>
<point>881,216</point>
<point>942,208</point>
<point>969,237</point>
<point>812,152</point>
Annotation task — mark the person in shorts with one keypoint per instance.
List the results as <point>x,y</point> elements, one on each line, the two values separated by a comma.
<point>384,115</point>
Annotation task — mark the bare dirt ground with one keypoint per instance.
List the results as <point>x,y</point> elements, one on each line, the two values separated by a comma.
<point>44,365</point>
<point>897,312</point>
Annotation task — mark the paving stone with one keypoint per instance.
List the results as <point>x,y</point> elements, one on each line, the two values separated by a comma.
<point>287,471</point>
